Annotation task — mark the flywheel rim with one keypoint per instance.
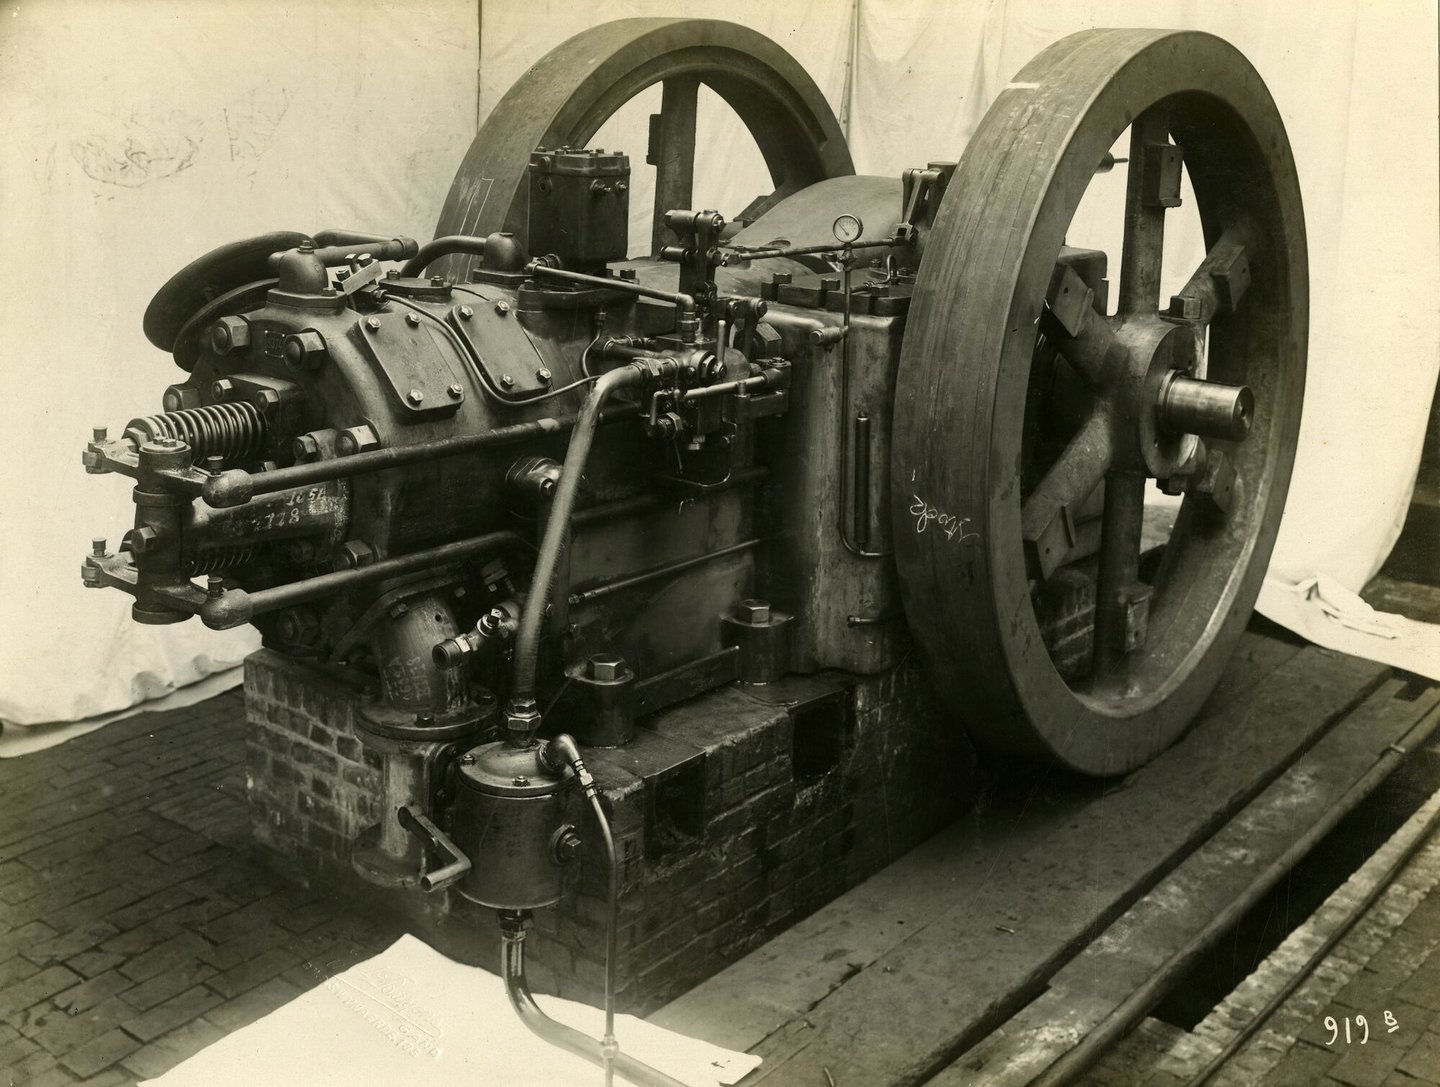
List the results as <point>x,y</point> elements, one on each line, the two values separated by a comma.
<point>573,89</point>
<point>969,343</point>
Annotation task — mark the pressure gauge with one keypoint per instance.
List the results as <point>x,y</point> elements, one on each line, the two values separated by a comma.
<point>848,228</point>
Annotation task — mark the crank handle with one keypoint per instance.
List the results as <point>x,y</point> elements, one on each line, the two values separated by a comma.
<point>456,863</point>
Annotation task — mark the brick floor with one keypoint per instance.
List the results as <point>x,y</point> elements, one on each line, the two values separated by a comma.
<point>135,925</point>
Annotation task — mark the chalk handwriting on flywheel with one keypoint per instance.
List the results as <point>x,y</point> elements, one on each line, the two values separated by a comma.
<point>953,526</point>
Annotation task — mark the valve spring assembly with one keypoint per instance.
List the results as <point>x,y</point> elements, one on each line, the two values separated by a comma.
<point>235,431</point>
<point>217,559</point>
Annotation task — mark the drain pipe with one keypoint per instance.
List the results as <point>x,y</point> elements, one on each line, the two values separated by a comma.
<point>522,717</point>
<point>606,1053</point>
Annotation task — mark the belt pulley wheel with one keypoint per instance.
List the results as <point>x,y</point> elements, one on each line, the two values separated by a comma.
<point>980,533</point>
<point>565,98</point>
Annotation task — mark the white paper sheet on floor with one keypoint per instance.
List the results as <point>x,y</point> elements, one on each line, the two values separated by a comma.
<point>410,1015</point>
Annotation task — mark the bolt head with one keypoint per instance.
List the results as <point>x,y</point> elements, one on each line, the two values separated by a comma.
<point>520,781</point>
<point>606,667</point>
<point>1183,308</point>
<point>543,375</point>
<point>228,333</point>
<point>412,319</point>
<point>373,324</point>
<point>502,308</point>
<point>466,313</point>
<point>507,380</point>
<point>753,611</point>
<point>97,547</point>
<point>305,447</point>
<point>214,464</point>
<point>171,402</point>
<point>99,433</point>
<point>220,390</point>
<point>437,281</point>
<point>214,586</point>
<point>415,396</point>
<point>467,760</point>
<point>456,392</point>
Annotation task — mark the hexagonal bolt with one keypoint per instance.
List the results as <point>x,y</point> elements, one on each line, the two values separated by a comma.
<point>507,381</point>
<point>606,667</point>
<point>214,464</point>
<point>90,577</point>
<point>520,781</point>
<point>1215,493</point>
<point>456,392</point>
<point>754,612</point>
<point>221,390</point>
<point>265,398</point>
<point>354,554</point>
<point>214,586</point>
<point>543,376</point>
<point>140,540</point>
<point>412,319</point>
<point>228,333</point>
<point>99,433</point>
<point>466,313</point>
<point>97,547</point>
<point>502,308</point>
<point>372,324</point>
<point>171,400</point>
<point>399,609</point>
<point>304,349</point>
<point>568,845</point>
<point>415,397</point>
<point>356,439</point>
<point>305,448</point>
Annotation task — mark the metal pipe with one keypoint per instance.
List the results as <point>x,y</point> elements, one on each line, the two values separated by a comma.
<point>658,572</point>
<point>1074,1063</point>
<point>741,253</point>
<point>527,641</point>
<point>684,302</point>
<point>236,607</point>
<point>436,248</point>
<point>512,969</point>
<point>236,486</point>
<point>862,481</point>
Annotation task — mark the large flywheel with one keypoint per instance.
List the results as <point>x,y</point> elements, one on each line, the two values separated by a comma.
<point>1199,394</point>
<point>564,99</point>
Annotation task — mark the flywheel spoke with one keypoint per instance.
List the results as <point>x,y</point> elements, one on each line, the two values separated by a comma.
<point>1147,195</point>
<point>1047,518</point>
<point>672,152</point>
<point>1122,601</point>
<point>1219,283</point>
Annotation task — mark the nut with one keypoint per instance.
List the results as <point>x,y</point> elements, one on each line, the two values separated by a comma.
<point>415,396</point>
<point>412,319</point>
<point>502,308</point>
<point>543,375</point>
<point>304,349</point>
<point>507,381</point>
<point>353,554</point>
<point>229,333</point>
<point>466,313</point>
<point>606,667</point>
<point>372,324</point>
<point>753,611</point>
<point>305,448</point>
<point>221,390</point>
<point>456,392</point>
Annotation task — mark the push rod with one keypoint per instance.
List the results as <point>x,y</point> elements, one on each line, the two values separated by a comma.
<point>236,486</point>
<point>235,607</point>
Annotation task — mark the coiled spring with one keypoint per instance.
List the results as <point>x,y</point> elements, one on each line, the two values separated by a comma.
<point>235,430</point>
<point>217,559</point>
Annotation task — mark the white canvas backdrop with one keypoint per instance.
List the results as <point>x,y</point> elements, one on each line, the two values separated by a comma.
<point>354,114</point>
<point>139,135</point>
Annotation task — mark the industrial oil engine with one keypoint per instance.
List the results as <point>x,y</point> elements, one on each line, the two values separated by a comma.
<point>540,489</point>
